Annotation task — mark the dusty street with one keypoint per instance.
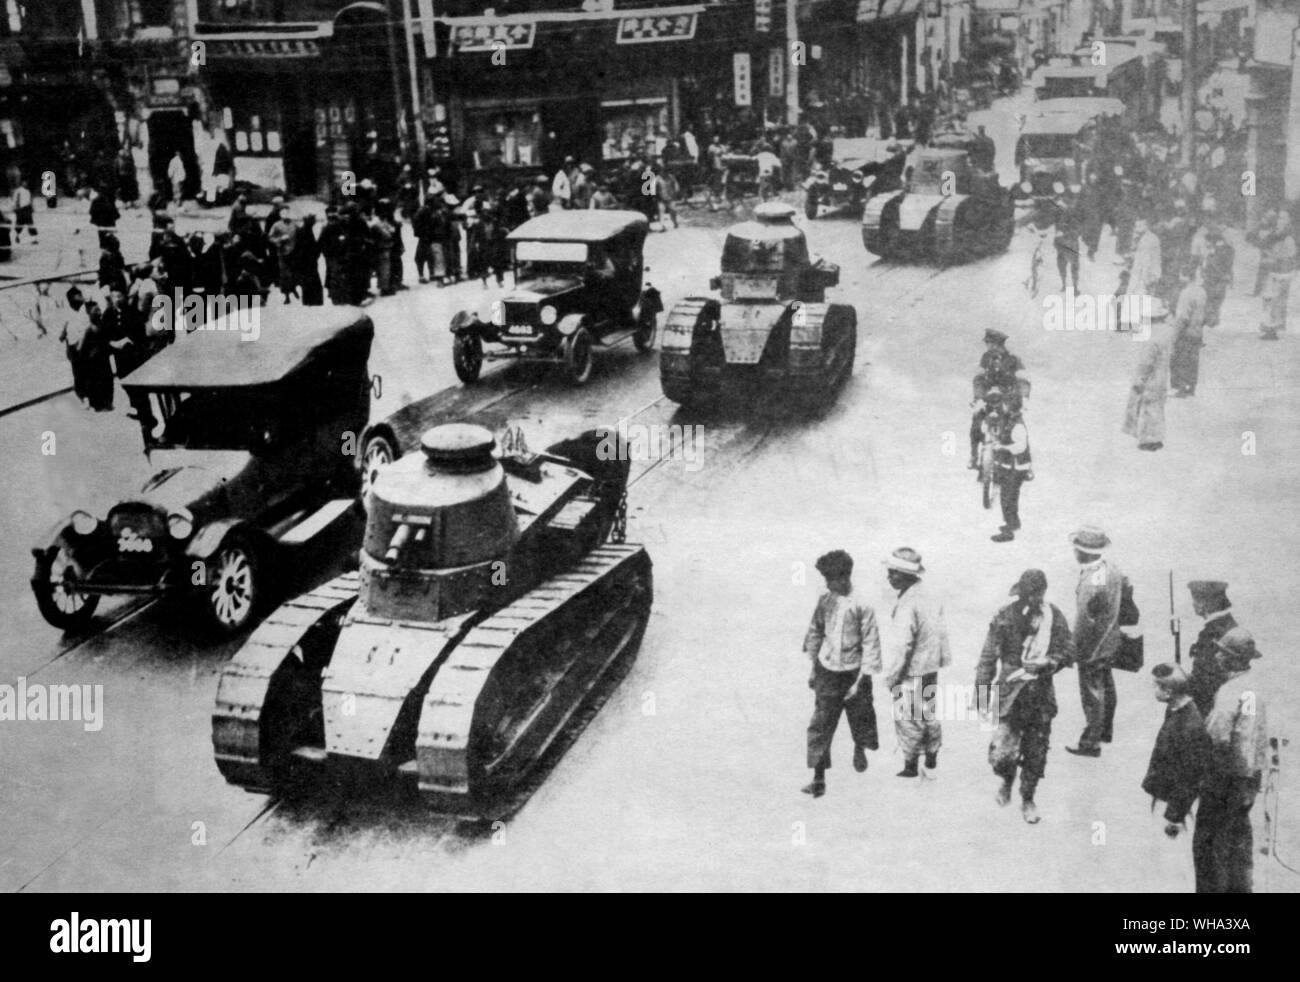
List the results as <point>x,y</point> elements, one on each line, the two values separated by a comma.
<point>689,777</point>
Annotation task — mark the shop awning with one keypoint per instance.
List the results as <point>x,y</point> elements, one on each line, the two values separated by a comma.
<point>870,11</point>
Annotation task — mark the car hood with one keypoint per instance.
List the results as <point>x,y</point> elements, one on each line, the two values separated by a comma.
<point>543,288</point>
<point>186,476</point>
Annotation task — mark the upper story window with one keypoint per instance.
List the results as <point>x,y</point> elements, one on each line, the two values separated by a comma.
<point>152,13</point>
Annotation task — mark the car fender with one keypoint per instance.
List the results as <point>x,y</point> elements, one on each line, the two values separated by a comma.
<point>207,540</point>
<point>650,302</point>
<point>570,323</point>
<point>465,322</point>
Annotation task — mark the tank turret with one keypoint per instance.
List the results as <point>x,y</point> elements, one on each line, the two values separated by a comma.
<point>438,522</point>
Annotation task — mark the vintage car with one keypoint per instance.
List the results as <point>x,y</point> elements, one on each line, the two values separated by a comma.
<point>579,282</point>
<point>253,451</point>
<point>859,168</point>
<point>1053,142</point>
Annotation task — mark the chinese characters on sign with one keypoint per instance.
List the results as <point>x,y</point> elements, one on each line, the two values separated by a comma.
<point>776,72</point>
<point>740,70</point>
<point>763,15</point>
<point>493,37</point>
<point>637,30</point>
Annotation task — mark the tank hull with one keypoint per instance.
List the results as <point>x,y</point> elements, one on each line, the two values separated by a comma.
<point>467,707</point>
<point>799,352</point>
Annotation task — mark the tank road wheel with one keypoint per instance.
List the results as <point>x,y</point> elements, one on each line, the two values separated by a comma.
<point>647,325</point>
<point>577,356</point>
<point>377,452</point>
<point>467,356</point>
<point>59,601</point>
<point>234,589</point>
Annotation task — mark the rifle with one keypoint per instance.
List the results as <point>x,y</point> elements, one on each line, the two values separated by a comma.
<point>1175,628</point>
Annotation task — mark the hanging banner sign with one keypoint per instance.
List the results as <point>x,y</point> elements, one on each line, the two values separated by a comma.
<point>740,71</point>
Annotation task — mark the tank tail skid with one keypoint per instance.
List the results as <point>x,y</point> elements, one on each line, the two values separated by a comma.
<point>517,681</point>
<point>251,735</point>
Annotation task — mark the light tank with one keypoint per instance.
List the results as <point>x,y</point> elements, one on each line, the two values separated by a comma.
<point>494,602</point>
<point>949,210</point>
<point>771,329</point>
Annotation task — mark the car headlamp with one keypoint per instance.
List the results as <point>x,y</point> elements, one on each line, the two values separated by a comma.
<point>180,523</point>
<point>84,523</point>
<point>549,315</point>
<point>1026,187</point>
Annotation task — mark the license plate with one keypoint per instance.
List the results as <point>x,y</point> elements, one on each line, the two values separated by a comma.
<point>519,329</point>
<point>841,187</point>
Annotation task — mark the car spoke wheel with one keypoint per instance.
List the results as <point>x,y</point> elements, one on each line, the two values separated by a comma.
<point>578,357</point>
<point>60,602</point>
<point>467,356</point>
<point>377,453</point>
<point>646,328</point>
<point>234,588</point>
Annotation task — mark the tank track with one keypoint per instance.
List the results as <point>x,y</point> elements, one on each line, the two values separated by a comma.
<point>246,679</point>
<point>459,705</point>
<point>685,316</point>
<point>947,244</point>
<point>815,390</point>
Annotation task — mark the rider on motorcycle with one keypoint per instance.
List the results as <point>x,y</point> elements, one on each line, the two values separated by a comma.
<point>996,380</point>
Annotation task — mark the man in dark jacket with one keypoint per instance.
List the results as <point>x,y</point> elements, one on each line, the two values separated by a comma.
<point>1028,642</point>
<point>103,214</point>
<point>1210,602</point>
<point>305,259</point>
<point>1182,749</point>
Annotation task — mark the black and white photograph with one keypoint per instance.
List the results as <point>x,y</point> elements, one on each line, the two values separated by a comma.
<point>651,446</point>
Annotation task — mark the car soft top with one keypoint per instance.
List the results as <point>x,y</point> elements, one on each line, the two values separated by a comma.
<point>222,356</point>
<point>590,225</point>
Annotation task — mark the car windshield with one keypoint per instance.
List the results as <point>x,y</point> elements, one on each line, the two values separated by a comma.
<point>1047,145</point>
<point>223,419</point>
<point>539,259</point>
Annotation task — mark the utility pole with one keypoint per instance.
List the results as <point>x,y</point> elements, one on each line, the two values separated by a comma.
<point>399,104</point>
<point>794,54</point>
<point>416,110</point>
<point>1189,82</point>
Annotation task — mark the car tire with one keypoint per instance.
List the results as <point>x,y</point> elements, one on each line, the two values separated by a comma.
<point>647,326</point>
<point>67,610</point>
<point>811,204</point>
<point>578,358</point>
<point>378,450</point>
<point>467,356</point>
<point>234,590</point>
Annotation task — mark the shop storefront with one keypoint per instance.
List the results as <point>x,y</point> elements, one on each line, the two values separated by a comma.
<point>301,106</point>
<point>521,92</point>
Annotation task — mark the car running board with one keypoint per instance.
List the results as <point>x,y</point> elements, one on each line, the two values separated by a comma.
<point>315,522</point>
